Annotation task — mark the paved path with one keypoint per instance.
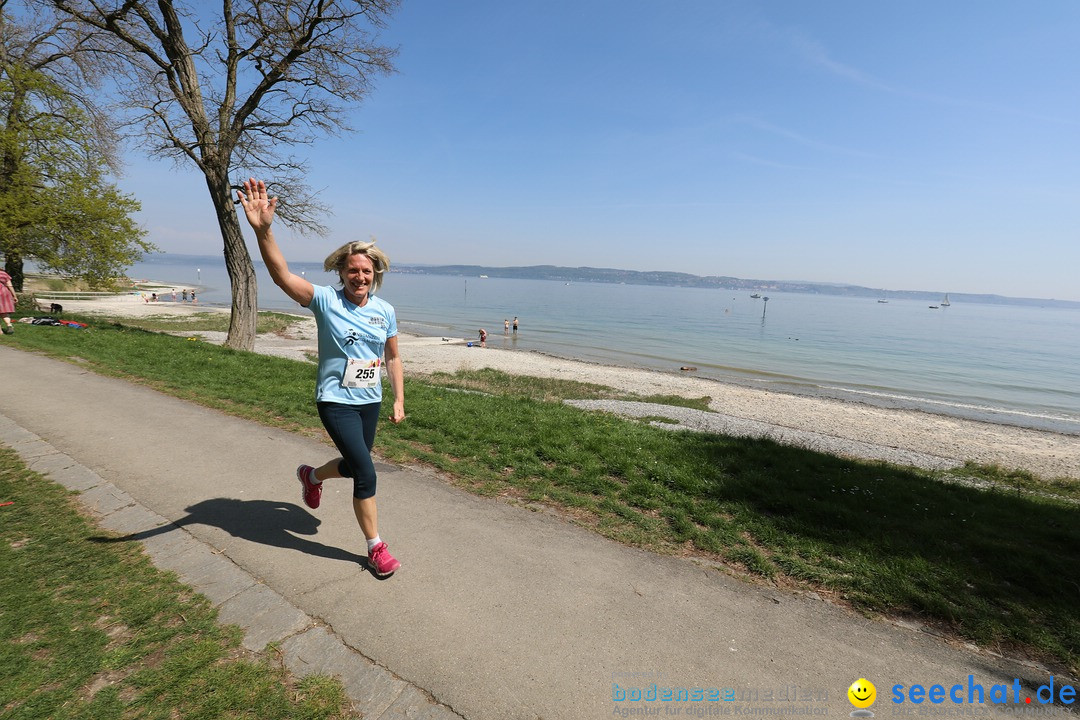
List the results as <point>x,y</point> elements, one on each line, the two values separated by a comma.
<point>498,612</point>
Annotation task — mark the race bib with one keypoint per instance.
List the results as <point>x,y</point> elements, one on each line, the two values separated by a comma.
<point>361,374</point>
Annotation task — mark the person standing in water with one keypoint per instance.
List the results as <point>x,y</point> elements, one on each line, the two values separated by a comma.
<point>356,331</point>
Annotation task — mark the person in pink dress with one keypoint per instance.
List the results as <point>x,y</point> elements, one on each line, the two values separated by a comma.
<point>8,298</point>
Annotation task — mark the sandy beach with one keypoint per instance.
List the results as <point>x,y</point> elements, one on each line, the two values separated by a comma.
<point>837,426</point>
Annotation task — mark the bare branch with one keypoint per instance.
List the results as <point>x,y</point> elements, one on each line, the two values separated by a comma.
<point>274,73</point>
<point>61,49</point>
<point>266,75</point>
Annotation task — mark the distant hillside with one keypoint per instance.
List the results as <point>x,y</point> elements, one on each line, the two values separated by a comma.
<point>635,277</point>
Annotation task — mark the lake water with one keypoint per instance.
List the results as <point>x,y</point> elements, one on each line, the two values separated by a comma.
<point>1008,364</point>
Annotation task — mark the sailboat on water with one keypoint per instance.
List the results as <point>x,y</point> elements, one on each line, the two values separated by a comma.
<point>945,302</point>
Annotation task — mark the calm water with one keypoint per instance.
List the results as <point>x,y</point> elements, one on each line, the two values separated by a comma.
<point>1015,365</point>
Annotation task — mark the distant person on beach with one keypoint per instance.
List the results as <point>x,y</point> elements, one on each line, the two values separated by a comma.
<point>483,338</point>
<point>515,324</point>
<point>193,298</point>
<point>8,298</point>
<point>357,330</point>
<point>183,295</point>
<point>174,295</point>
<point>506,326</point>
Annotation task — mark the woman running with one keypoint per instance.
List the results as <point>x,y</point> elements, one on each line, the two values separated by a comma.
<point>356,332</point>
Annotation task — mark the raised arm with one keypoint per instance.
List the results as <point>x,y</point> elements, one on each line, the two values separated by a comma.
<point>260,215</point>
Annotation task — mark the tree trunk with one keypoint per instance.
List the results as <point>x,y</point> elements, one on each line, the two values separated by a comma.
<point>13,266</point>
<point>238,263</point>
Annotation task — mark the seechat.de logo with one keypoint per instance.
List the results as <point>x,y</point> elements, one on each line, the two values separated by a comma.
<point>975,694</point>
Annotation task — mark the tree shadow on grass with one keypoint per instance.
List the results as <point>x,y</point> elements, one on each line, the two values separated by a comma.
<point>267,522</point>
<point>993,565</point>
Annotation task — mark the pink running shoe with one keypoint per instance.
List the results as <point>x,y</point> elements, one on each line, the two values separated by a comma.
<point>381,561</point>
<point>312,492</point>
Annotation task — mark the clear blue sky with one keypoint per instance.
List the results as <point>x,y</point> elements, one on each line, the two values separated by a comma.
<point>905,145</point>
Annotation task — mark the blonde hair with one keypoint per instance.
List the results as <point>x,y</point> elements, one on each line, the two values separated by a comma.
<point>380,263</point>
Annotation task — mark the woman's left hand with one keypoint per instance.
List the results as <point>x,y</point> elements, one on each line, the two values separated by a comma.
<point>398,414</point>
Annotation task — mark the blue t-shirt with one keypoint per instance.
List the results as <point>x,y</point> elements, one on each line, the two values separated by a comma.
<point>351,341</point>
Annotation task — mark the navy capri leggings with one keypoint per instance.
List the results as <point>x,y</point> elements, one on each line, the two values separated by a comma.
<point>352,428</point>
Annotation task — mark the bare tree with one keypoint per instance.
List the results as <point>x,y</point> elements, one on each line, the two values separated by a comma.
<point>235,91</point>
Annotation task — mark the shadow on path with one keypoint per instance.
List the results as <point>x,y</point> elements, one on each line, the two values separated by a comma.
<point>262,521</point>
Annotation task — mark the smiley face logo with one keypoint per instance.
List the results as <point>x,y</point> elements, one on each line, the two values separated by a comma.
<point>862,693</point>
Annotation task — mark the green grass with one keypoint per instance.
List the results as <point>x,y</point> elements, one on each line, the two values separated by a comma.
<point>658,419</point>
<point>1018,480</point>
<point>246,384</point>
<point>994,564</point>
<point>267,322</point>
<point>494,382</point>
<point>92,630</point>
